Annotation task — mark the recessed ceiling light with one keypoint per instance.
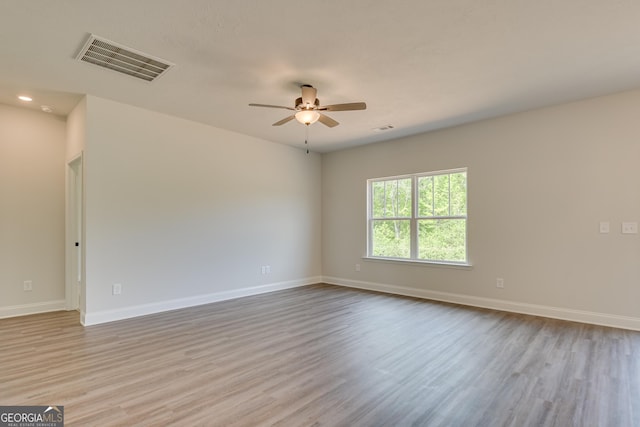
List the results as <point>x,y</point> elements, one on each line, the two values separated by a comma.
<point>46,109</point>
<point>25,98</point>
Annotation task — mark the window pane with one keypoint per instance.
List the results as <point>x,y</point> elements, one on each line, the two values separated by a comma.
<point>398,198</point>
<point>391,199</point>
<point>377,199</point>
<point>442,240</point>
<point>459,193</point>
<point>391,238</point>
<point>404,198</point>
<point>425,196</point>
<point>441,202</point>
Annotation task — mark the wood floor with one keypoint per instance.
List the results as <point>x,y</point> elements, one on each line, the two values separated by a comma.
<point>323,356</point>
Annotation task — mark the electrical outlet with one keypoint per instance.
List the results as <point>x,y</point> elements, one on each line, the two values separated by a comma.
<point>604,227</point>
<point>27,285</point>
<point>116,289</point>
<point>266,269</point>
<point>500,283</point>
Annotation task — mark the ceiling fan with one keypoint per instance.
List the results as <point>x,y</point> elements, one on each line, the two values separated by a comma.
<point>308,109</point>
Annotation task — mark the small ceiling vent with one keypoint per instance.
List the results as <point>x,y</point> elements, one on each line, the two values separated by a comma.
<point>383,128</point>
<point>122,59</point>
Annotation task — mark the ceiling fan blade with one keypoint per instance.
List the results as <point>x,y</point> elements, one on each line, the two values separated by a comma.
<point>345,107</point>
<point>283,121</point>
<point>327,121</point>
<point>272,106</point>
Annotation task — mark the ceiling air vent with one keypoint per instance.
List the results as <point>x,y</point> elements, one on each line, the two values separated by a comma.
<point>122,59</point>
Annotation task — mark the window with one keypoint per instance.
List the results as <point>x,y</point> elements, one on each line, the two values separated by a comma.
<point>420,217</point>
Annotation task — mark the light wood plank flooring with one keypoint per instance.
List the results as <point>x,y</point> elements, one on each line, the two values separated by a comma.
<point>323,356</point>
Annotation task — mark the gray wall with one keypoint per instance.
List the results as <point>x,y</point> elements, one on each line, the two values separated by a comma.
<point>180,213</point>
<point>32,186</point>
<point>540,182</point>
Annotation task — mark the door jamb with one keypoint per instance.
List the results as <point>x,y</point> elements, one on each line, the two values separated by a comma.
<point>74,233</point>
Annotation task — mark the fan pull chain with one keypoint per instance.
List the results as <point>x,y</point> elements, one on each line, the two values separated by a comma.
<point>306,137</point>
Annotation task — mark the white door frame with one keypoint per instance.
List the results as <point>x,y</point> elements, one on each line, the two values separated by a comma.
<point>74,239</point>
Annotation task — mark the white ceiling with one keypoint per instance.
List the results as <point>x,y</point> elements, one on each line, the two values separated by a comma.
<point>419,65</point>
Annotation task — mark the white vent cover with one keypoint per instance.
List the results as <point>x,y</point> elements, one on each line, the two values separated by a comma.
<point>107,54</point>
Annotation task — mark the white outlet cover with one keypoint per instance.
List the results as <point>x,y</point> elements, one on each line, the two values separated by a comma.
<point>604,227</point>
<point>629,228</point>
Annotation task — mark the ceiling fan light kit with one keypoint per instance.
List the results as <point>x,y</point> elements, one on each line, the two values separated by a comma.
<point>307,117</point>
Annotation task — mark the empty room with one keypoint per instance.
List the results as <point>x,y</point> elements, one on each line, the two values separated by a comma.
<point>414,213</point>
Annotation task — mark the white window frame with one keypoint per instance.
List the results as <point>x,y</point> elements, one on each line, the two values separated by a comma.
<point>415,218</point>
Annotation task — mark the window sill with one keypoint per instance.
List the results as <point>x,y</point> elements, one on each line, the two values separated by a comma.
<point>444,264</point>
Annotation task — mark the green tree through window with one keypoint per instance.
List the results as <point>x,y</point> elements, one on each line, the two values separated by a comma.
<point>421,217</point>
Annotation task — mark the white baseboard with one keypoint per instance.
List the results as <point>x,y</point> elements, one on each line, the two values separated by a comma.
<point>94,318</point>
<point>35,308</point>
<point>601,319</point>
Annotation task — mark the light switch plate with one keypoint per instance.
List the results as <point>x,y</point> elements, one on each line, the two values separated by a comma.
<point>604,227</point>
<point>629,228</point>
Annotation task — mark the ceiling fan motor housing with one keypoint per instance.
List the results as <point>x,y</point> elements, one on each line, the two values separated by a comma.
<point>309,95</point>
<point>300,105</point>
